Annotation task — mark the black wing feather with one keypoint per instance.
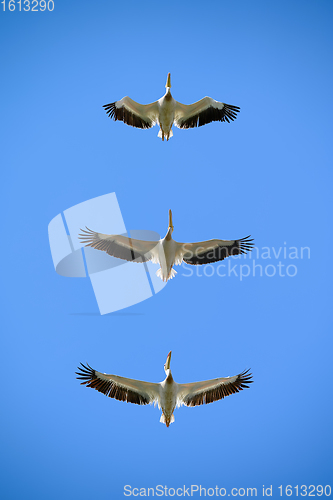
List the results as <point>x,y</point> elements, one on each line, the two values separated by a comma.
<point>90,239</point>
<point>241,246</point>
<point>221,391</point>
<point>211,114</point>
<point>123,114</point>
<point>109,387</point>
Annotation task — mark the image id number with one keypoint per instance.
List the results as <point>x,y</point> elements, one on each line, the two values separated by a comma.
<point>27,5</point>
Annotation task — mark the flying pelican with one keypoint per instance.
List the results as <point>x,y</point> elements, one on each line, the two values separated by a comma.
<point>166,112</point>
<point>167,394</point>
<point>166,252</point>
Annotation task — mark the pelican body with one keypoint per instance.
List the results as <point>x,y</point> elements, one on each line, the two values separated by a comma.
<point>168,395</point>
<point>167,111</point>
<point>166,115</point>
<point>167,252</point>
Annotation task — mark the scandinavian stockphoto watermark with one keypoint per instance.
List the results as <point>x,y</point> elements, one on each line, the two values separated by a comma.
<point>119,283</point>
<point>187,491</point>
<point>195,490</point>
<point>265,261</point>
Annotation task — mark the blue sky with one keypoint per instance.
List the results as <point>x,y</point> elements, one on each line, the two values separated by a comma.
<point>268,174</point>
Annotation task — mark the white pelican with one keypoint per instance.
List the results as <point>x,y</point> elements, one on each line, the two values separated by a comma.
<point>167,111</point>
<point>166,252</point>
<point>167,394</point>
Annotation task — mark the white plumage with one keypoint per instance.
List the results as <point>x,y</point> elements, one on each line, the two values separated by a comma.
<point>166,252</point>
<point>167,111</point>
<point>167,394</point>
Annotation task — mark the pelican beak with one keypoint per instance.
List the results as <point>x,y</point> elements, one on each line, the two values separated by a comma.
<point>170,219</point>
<point>168,83</point>
<point>167,363</point>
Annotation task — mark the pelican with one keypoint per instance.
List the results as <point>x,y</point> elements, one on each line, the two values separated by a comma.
<point>166,252</point>
<point>166,112</point>
<point>167,394</point>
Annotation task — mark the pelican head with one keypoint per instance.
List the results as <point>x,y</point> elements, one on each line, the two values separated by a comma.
<point>168,83</point>
<point>167,364</point>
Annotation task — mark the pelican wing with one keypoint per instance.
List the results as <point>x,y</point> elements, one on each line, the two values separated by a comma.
<point>204,111</point>
<point>204,252</point>
<point>120,246</point>
<point>121,388</point>
<point>205,392</point>
<point>132,113</point>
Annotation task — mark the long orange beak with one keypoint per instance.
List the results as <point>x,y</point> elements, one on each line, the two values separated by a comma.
<point>167,363</point>
<point>170,219</point>
<point>168,83</point>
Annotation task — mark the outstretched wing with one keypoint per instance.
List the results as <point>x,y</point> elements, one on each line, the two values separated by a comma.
<point>121,388</point>
<point>204,111</point>
<point>204,252</point>
<point>208,391</point>
<point>132,113</point>
<point>120,246</point>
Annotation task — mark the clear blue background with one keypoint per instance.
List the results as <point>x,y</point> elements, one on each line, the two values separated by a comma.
<point>268,174</point>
